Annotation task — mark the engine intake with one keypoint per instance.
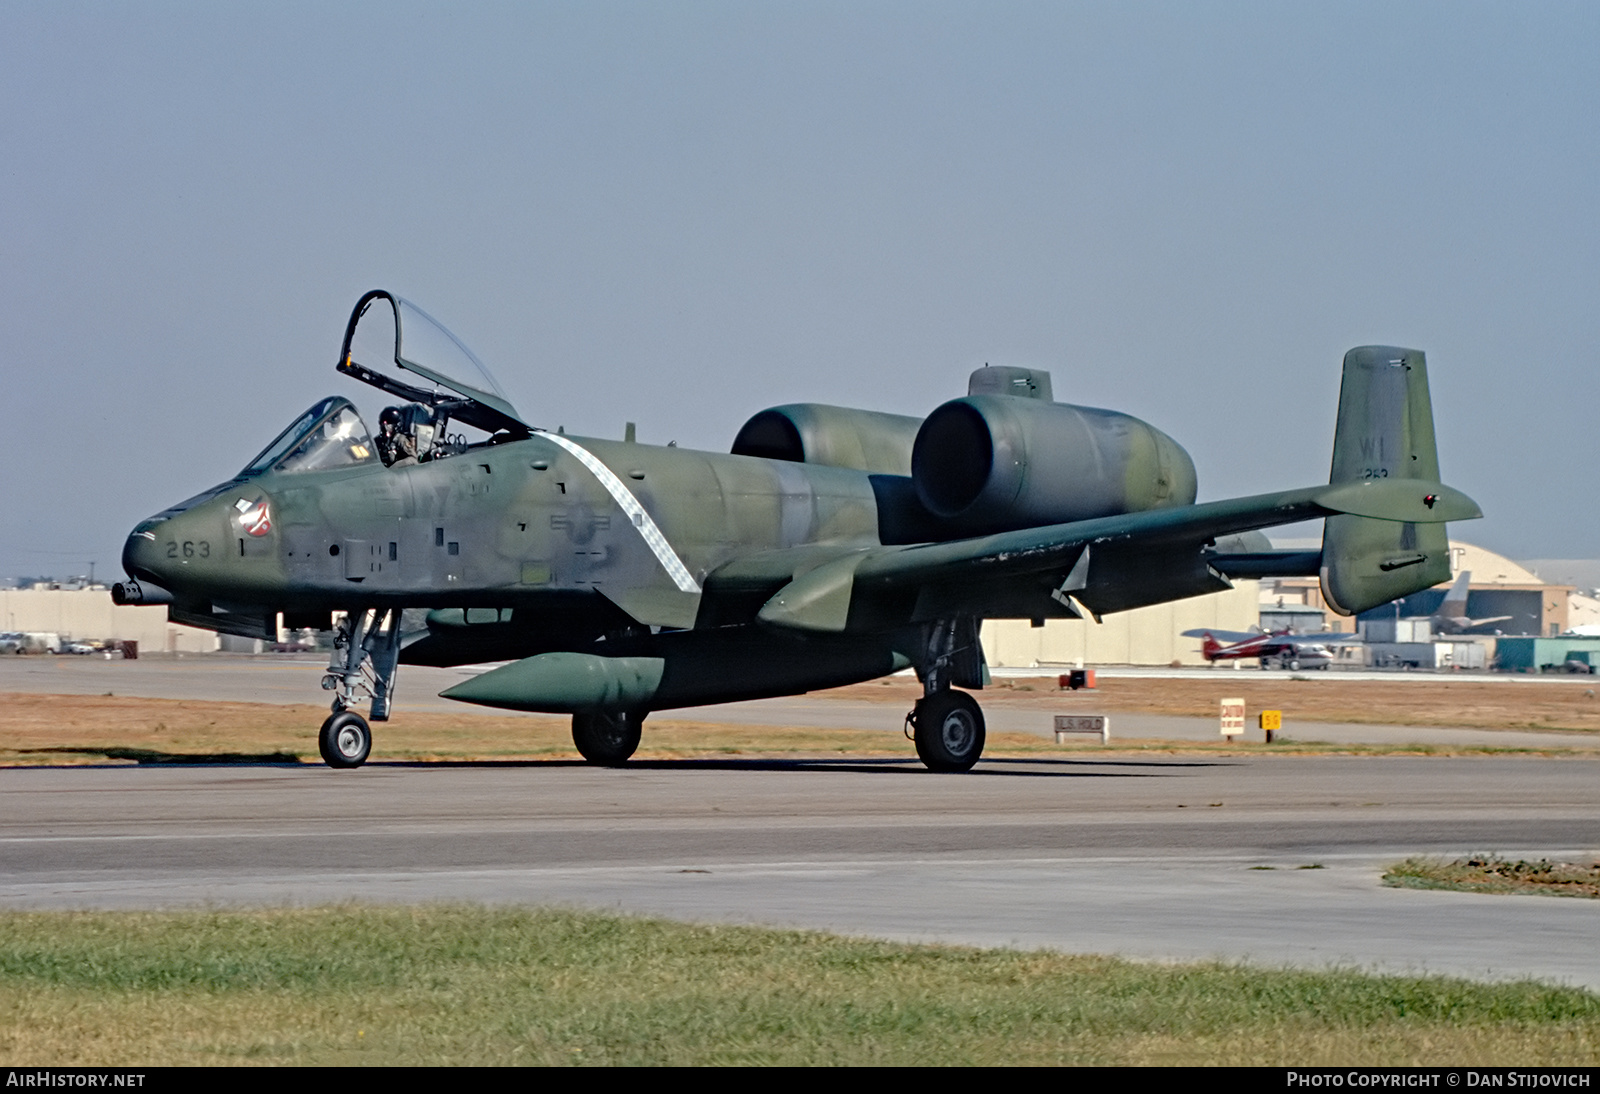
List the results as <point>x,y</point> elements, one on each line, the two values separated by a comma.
<point>832,436</point>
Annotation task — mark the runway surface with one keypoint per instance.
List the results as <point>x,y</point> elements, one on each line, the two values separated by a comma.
<point>1153,858</point>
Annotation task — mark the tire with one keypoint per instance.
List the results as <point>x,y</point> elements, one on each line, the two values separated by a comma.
<point>607,738</point>
<point>1294,665</point>
<point>949,731</point>
<point>345,740</point>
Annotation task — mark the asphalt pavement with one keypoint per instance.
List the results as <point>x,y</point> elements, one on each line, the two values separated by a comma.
<point>1269,859</point>
<point>1274,860</point>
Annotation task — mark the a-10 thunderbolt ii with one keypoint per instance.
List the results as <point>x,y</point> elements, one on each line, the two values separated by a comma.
<point>829,546</point>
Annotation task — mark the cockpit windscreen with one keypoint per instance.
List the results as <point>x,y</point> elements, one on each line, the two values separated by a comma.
<point>330,434</point>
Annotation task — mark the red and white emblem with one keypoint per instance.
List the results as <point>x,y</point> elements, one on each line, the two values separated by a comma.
<point>253,515</point>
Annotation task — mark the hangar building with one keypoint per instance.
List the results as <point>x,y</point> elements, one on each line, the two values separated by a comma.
<point>1499,587</point>
<point>1152,636</point>
<point>87,615</point>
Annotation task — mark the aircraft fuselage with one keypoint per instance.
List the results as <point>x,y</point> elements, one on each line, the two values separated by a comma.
<point>502,526</point>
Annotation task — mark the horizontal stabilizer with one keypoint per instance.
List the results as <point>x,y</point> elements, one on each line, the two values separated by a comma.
<point>1413,500</point>
<point>1256,564</point>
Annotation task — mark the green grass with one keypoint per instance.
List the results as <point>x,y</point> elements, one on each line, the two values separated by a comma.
<point>472,985</point>
<point>1493,874</point>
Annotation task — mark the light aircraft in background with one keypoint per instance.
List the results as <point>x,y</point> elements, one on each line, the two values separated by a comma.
<point>1291,651</point>
<point>830,546</point>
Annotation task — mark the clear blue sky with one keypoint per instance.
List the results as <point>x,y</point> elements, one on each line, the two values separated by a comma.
<point>681,213</point>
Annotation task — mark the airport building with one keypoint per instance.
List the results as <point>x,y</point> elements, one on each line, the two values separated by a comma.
<point>1143,636</point>
<point>86,614</point>
<point>1152,636</point>
<point>1569,654</point>
<point>1511,599</point>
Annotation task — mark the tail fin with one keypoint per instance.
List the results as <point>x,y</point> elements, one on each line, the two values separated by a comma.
<point>1385,431</point>
<point>1455,601</point>
<point>1209,648</point>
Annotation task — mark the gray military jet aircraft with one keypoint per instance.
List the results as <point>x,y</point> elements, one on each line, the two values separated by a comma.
<point>1451,616</point>
<point>830,546</point>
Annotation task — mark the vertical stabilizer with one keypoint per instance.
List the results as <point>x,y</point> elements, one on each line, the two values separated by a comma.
<point>1385,431</point>
<point>1455,601</point>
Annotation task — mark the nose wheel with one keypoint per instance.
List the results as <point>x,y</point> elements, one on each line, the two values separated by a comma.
<point>345,740</point>
<point>366,655</point>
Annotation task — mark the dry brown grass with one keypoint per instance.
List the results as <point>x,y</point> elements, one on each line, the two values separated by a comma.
<point>1310,697</point>
<point>93,729</point>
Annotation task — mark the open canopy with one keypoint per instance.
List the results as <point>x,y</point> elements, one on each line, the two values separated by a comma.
<point>387,330</point>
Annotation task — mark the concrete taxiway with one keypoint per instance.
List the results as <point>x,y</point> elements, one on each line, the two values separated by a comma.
<point>1272,859</point>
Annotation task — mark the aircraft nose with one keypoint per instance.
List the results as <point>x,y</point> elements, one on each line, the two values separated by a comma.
<point>179,546</point>
<point>140,557</point>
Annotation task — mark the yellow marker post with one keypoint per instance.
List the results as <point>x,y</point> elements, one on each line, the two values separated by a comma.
<point>1271,721</point>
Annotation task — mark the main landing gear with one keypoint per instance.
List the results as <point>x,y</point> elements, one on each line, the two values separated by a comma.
<point>607,738</point>
<point>947,726</point>
<point>366,655</point>
<point>949,730</point>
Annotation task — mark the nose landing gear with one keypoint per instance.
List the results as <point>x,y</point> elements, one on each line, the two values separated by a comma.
<point>366,656</point>
<point>345,739</point>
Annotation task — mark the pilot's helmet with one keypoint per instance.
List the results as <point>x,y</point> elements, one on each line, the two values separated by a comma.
<point>390,417</point>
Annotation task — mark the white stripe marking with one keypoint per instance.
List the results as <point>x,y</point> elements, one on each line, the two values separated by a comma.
<point>653,537</point>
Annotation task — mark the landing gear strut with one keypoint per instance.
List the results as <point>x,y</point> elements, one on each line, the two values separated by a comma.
<point>366,655</point>
<point>946,725</point>
<point>607,738</point>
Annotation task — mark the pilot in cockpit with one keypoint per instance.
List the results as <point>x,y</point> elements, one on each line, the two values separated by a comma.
<point>396,445</point>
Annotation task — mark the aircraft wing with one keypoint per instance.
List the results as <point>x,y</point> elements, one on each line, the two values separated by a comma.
<point>1101,565</point>
<point>1227,638</point>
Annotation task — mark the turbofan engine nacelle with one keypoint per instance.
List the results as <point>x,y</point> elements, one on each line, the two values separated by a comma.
<point>832,436</point>
<point>989,463</point>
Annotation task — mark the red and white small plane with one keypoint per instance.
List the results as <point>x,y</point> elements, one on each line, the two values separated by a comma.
<point>1290,651</point>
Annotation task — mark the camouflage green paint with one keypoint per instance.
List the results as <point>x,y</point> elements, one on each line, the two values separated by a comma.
<point>1385,433</point>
